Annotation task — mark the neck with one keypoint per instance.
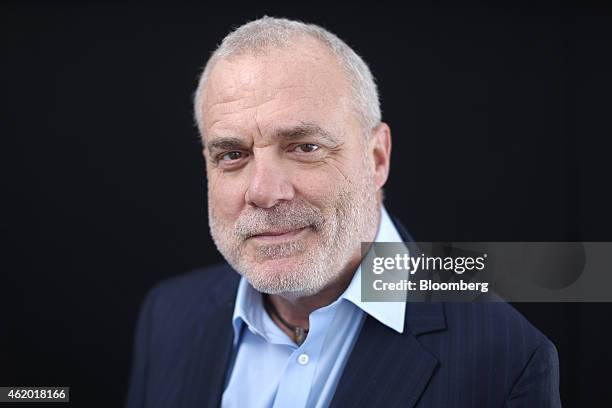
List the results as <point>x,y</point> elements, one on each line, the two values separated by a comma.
<point>296,310</point>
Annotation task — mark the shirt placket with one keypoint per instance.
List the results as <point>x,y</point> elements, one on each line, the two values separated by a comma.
<point>299,373</point>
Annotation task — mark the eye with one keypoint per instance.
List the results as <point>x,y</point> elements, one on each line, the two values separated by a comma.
<point>306,148</point>
<point>231,156</point>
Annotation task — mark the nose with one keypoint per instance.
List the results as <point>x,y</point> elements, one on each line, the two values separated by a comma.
<point>269,183</point>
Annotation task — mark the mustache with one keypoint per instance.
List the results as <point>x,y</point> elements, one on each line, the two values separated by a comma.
<point>286,215</point>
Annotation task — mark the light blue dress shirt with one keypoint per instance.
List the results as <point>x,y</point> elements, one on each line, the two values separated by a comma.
<point>270,370</point>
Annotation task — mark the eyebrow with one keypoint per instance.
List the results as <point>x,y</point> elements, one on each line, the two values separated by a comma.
<point>297,132</point>
<point>226,143</point>
<point>305,129</point>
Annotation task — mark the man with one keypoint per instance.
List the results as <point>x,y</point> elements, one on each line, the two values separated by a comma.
<point>296,157</point>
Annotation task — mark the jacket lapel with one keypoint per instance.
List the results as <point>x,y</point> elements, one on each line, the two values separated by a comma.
<point>386,368</point>
<point>210,351</point>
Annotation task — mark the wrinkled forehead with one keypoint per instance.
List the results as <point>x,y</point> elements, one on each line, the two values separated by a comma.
<point>306,77</point>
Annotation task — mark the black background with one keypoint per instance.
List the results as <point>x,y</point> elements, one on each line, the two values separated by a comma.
<point>501,125</point>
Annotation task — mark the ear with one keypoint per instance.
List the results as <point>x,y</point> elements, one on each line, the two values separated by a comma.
<point>380,148</point>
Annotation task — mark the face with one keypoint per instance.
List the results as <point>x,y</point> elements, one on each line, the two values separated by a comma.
<point>292,178</point>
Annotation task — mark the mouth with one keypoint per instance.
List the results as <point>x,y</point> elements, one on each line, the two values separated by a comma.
<point>277,236</point>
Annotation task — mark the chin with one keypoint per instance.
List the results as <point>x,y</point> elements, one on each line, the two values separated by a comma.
<point>282,275</point>
<point>288,267</point>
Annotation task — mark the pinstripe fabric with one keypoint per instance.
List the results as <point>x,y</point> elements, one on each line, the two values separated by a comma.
<point>450,355</point>
<point>480,355</point>
<point>183,341</point>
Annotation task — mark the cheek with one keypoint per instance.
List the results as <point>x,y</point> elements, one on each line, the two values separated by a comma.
<point>318,187</point>
<point>225,196</point>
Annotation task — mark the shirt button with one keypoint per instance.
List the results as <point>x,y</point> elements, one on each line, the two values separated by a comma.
<point>303,359</point>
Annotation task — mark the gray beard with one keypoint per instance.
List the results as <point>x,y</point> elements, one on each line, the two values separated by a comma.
<point>353,220</point>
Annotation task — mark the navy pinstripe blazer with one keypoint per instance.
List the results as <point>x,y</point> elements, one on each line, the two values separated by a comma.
<point>450,354</point>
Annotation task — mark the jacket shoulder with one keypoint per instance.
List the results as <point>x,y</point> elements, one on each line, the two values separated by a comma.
<point>495,323</point>
<point>191,296</point>
<point>491,350</point>
<point>497,336</point>
<point>176,313</point>
<point>199,283</point>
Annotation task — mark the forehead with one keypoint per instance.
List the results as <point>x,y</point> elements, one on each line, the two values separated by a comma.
<point>303,82</point>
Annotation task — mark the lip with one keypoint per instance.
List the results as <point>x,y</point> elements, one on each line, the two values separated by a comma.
<point>278,236</point>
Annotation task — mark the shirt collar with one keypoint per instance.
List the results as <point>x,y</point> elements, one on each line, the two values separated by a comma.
<point>248,307</point>
<point>391,314</point>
